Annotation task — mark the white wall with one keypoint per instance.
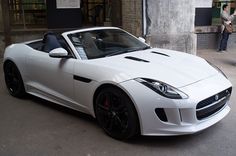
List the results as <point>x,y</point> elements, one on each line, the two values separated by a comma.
<point>170,24</point>
<point>203,3</point>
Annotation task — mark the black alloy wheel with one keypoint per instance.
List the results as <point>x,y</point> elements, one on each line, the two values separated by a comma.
<point>13,80</point>
<point>116,114</point>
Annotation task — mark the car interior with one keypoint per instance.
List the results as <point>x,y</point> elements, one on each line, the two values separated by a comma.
<point>49,42</point>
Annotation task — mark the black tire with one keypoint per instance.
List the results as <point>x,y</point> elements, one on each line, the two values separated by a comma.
<point>13,80</point>
<point>116,113</point>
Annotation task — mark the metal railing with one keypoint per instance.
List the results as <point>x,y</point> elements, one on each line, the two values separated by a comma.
<point>27,15</point>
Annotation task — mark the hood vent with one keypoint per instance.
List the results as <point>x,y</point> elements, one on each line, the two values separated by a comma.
<point>136,59</point>
<point>154,52</point>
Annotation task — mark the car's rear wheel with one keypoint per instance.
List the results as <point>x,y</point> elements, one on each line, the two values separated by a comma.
<point>116,114</point>
<point>13,80</point>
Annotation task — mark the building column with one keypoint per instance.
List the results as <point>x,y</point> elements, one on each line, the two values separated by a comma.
<point>6,22</point>
<point>170,24</point>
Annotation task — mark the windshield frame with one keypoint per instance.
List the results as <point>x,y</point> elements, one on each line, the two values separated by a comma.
<point>66,35</point>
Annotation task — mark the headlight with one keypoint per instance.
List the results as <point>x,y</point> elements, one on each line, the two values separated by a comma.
<point>162,88</point>
<point>218,69</point>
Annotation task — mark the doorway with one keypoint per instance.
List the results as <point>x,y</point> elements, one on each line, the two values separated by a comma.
<point>101,12</point>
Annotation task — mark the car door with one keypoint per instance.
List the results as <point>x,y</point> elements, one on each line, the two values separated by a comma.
<point>51,78</point>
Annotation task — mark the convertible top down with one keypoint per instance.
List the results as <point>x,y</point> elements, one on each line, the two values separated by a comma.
<point>129,87</point>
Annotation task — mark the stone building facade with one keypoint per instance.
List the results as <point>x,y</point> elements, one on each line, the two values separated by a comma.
<point>166,24</point>
<point>170,24</point>
<point>1,22</point>
<point>132,20</point>
<point>2,45</point>
<point>181,25</point>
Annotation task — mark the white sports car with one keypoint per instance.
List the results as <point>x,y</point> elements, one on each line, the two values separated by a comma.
<point>129,87</point>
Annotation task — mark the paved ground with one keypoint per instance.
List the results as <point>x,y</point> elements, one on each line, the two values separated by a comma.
<point>34,127</point>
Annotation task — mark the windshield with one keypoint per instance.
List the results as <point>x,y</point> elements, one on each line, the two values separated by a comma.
<point>105,42</point>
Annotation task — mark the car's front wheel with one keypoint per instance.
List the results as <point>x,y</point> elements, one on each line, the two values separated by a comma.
<point>13,80</point>
<point>116,114</point>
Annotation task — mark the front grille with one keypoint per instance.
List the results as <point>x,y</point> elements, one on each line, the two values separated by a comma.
<point>213,104</point>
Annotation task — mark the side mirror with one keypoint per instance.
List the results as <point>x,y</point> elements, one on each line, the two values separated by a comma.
<point>58,53</point>
<point>142,39</point>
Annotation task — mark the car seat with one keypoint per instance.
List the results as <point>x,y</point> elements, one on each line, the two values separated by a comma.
<point>50,42</point>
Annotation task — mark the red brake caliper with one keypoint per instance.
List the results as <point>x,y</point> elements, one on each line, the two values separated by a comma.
<point>107,103</point>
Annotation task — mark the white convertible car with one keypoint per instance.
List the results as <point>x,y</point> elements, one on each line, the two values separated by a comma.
<point>129,87</point>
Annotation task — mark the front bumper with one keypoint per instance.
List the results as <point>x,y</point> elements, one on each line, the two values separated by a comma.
<point>181,114</point>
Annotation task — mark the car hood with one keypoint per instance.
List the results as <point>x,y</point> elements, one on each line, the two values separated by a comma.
<point>177,69</point>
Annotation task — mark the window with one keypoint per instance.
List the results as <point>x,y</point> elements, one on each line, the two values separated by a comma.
<point>27,13</point>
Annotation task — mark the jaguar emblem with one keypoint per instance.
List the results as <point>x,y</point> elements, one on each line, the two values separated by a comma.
<point>217,97</point>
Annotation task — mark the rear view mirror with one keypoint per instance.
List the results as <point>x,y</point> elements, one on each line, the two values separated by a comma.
<point>58,53</point>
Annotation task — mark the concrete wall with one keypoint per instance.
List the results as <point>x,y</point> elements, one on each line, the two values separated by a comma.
<point>132,16</point>
<point>208,37</point>
<point>211,41</point>
<point>170,24</point>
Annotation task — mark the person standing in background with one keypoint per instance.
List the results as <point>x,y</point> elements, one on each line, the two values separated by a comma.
<point>226,18</point>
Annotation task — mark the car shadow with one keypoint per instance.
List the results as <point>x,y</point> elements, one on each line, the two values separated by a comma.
<point>229,62</point>
<point>176,141</point>
<point>152,141</point>
<point>61,108</point>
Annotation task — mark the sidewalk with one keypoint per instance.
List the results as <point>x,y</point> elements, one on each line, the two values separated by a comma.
<point>225,61</point>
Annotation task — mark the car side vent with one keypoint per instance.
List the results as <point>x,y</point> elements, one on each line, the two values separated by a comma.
<point>160,112</point>
<point>135,59</point>
<point>154,52</point>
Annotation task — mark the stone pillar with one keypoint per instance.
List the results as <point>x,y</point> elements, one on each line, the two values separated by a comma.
<point>2,44</point>
<point>132,16</point>
<point>170,24</point>
<point>1,21</point>
<point>6,22</point>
